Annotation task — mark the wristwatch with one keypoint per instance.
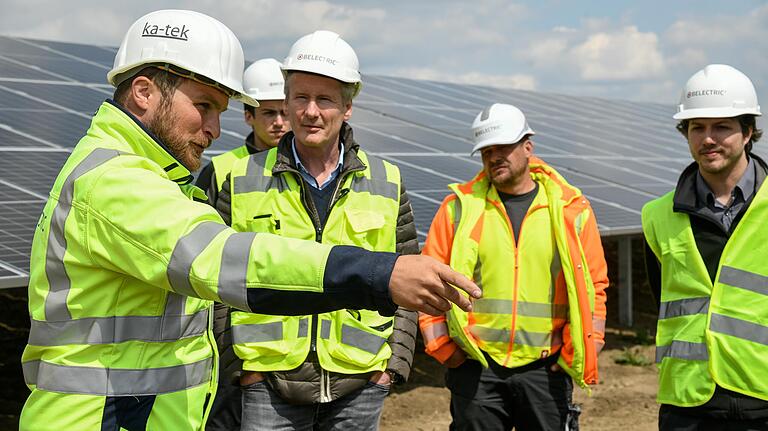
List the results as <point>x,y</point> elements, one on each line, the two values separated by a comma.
<point>394,378</point>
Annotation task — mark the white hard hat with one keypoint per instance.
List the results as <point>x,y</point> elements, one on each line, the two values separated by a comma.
<point>499,124</point>
<point>187,43</point>
<point>263,80</point>
<point>717,91</point>
<point>324,53</point>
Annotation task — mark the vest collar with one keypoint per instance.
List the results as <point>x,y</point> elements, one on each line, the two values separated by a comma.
<point>113,119</point>
<point>685,200</point>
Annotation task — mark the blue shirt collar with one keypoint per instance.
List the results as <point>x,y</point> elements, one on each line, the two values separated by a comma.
<point>311,179</point>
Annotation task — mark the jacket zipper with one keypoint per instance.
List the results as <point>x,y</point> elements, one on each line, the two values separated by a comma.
<point>325,386</point>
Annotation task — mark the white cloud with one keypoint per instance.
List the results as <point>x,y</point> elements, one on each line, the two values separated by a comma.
<point>596,53</point>
<point>513,81</point>
<point>622,55</point>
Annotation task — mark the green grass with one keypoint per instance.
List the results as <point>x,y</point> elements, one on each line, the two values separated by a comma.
<point>633,357</point>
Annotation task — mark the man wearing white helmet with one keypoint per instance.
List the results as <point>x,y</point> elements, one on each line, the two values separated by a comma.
<point>127,258</point>
<point>706,243</point>
<point>530,240</point>
<point>328,371</point>
<point>263,80</point>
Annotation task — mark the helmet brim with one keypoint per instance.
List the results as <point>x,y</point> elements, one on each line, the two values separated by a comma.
<point>715,113</point>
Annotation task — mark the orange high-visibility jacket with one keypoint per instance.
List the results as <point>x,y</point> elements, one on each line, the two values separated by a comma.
<point>585,247</point>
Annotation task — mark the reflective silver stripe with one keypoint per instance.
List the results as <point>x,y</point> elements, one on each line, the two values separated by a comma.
<point>174,309</point>
<point>114,381</point>
<point>435,331</point>
<point>377,184</point>
<point>492,306</point>
<point>257,332</point>
<point>539,309</point>
<point>187,249</point>
<point>303,328</point>
<point>254,179</point>
<point>739,328</point>
<point>58,281</point>
<point>524,308</point>
<point>366,341</point>
<point>325,329</point>
<point>682,350</point>
<point>490,334</point>
<point>683,307</point>
<point>354,337</point>
<point>525,338</point>
<point>108,330</point>
<point>234,270</point>
<point>744,279</point>
<point>253,183</point>
<point>456,215</point>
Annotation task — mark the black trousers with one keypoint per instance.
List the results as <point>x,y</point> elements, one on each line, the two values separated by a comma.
<point>498,398</point>
<point>725,411</point>
<point>227,408</point>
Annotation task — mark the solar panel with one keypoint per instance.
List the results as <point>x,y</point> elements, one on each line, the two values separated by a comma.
<point>620,153</point>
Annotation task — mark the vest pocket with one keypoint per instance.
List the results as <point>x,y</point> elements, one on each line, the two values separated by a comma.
<point>358,340</point>
<point>263,223</point>
<point>363,227</point>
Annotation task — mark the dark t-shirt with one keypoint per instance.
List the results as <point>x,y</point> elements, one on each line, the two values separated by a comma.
<point>517,206</point>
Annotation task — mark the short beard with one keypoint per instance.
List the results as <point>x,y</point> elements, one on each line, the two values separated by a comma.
<point>162,125</point>
<point>510,181</point>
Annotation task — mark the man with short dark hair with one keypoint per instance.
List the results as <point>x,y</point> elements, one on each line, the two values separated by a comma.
<point>705,258</point>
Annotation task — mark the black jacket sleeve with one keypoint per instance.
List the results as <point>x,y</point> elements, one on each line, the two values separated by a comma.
<point>353,278</point>
<point>403,338</point>
<point>204,180</point>
<point>653,272</point>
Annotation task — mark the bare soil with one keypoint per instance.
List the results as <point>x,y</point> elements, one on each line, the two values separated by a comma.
<point>624,399</point>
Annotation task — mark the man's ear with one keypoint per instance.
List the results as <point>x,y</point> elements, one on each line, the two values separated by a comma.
<point>142,90</point>
<point>348,112</point>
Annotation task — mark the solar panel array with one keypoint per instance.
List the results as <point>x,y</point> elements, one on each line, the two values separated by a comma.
<point>621,154</point>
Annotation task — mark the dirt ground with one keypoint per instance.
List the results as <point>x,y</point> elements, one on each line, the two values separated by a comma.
<point>624,399</point>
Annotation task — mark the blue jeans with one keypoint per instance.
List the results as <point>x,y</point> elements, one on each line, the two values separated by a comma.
<point>360,410</point>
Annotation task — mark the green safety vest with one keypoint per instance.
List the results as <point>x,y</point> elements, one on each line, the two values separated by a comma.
<point>222,163</point>
<point>348,341</point>
<point>115,277</point>
<point>710,333</point>
<point>521,316</point>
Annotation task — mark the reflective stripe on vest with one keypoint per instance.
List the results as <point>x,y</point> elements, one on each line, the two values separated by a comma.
<point>118,329</point>
<point>480,227</point>
<point>261,332</point>
<point>113,381</point>
<point>58,281</point>
<point>681,349</point>
<point>711,333</point>
<point>365,215</point>
<point>354,337</point>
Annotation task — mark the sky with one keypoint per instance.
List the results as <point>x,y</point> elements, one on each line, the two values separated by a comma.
<point>633,50</point>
